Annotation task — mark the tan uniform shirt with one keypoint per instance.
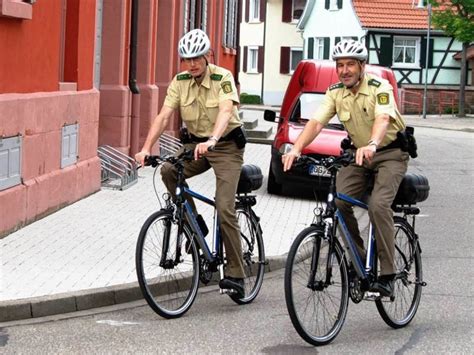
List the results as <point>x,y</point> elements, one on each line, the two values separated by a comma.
<point>199,104</point>
<point>357,112</point>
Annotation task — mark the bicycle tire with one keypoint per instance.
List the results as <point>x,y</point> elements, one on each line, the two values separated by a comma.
<point>169,290</point>
<point>400,311</point>
<point>253,253</point>
<point>309,308</point>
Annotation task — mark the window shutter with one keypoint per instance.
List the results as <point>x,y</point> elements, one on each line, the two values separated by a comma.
<point>338,39</point>
<point>310,48</point>
<point>284,60</point>
<point>326,5</point>
<point>286,14</point>
<point>339,4</point>
<point>386,52</point>
<point>263,8</point>
<point>326,48</point>
<point>261,57</point>
<point>423,53</point>
<point>244,64</point>
<point>247,10</point>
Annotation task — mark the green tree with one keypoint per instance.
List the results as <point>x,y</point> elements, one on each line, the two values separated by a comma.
<point>456,19</point>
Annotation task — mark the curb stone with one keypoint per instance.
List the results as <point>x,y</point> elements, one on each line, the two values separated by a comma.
<point>69,302</point>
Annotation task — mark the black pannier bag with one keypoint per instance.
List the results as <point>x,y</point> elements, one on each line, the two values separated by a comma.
<point>413,188</point>
<point>250,179</point>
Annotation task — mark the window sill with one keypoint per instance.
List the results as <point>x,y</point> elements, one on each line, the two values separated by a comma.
<point>16,9</point>
<point>405,66</point>
<point>228,50</point>
<point>67,86</point>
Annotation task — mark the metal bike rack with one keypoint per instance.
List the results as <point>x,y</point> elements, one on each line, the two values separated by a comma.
<point>118,171</point>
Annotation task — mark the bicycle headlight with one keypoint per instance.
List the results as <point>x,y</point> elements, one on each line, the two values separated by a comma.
<point>285,148</point>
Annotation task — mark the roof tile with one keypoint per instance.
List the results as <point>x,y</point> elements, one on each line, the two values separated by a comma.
<point>397,14</point>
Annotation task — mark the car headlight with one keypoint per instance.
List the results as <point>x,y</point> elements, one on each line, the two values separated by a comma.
<point>285,148</point>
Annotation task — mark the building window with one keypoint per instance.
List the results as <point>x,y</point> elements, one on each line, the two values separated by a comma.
<point>297,9</point>
<point>230,24</point>
<point>333,5</point>
<point>296,55</point>
<point>195,15</point>
<point>319,48</point>
<point>254,11</point>
<point>406,52</point>
<point>252,62</point>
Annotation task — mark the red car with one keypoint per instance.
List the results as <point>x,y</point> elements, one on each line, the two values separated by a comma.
<point>303,95</point>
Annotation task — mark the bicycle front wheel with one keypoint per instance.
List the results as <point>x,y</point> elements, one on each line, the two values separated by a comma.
<point>167,265</point>
<point>253,254</point>
<point>400,310</point>
<point>316,286</point>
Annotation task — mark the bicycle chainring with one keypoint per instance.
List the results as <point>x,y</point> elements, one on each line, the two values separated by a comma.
<point>355,291</point>
<point>205,275</point>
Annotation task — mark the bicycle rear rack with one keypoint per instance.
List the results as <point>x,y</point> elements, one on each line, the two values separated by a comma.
<point>118,171</point>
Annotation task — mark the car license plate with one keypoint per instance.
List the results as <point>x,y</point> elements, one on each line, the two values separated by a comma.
<point>318,170</point>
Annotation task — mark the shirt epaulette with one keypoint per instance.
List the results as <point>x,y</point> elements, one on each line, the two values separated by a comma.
<point>216,77</point>
<point>336,86</point>
<point>374,82</point>
<point>185,76</point>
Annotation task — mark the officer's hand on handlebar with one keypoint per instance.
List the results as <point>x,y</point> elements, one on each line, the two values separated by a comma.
<point>289,158</point>
<point>140,157</point>
<point>365,153</point>
<point>203,148</point>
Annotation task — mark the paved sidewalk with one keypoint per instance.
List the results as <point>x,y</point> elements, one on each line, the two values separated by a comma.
<point>83,255</point>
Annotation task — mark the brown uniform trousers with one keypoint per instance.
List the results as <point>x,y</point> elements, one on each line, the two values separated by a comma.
<point>390,166</point>
<point>226,161</point>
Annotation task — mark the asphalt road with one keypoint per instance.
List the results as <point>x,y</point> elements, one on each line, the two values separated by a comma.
<point>215,324</point>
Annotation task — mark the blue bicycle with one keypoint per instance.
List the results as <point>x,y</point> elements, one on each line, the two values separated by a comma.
<point>172,254</point>
<point>320,276</point>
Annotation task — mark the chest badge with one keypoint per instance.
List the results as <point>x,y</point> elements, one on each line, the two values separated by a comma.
<point>226,87</point>
<point>383,99</point>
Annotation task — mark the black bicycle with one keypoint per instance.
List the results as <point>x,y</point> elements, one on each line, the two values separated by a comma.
<point>318,279</point>
<point>172,254</point>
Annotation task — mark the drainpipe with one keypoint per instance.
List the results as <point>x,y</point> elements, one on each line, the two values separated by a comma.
<point>132,83</point>
<point>264,45</point>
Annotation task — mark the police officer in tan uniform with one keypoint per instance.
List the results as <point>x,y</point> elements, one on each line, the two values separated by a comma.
<point>366,106</point>
<point>206,98</point>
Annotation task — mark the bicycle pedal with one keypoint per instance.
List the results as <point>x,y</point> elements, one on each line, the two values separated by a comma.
<point>227,291</point>
<point>372,296</point>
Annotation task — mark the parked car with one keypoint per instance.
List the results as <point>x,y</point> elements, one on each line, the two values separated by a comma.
<point>303,95</point>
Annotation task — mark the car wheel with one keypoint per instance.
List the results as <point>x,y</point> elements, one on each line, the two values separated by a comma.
<point>272,186</point>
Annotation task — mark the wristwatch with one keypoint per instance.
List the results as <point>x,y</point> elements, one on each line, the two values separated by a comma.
<point>374,143</point>
<point>213,138</point>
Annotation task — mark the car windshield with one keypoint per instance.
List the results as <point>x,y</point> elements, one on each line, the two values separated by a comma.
<point>307,105</point>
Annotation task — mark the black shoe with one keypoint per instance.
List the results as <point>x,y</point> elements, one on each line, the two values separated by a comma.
<point>384,285</point>
<point>234,284</point>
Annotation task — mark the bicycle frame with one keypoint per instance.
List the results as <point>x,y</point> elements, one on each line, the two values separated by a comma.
<point>211,256</point>
<point>361,269</point>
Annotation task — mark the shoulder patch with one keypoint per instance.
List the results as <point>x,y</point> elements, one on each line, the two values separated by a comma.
<point>383,98</point>
<point>374,82</point>
<point>184,76</point>
<point>336,86</point>
<point>226,87</point>
<point>216,77</point>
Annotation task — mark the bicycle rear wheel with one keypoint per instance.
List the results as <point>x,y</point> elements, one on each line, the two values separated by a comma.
<point>317,306</point>
<point>399,311</point>
<point>168,282</point>
<point>253,254</point>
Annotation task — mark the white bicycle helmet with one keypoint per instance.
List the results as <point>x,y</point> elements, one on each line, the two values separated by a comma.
<point>349,48</point>
<point>193,44</point>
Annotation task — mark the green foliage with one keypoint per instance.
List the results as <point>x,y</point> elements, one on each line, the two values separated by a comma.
<point>455,18</point>
<point>250,99</point>
<point>450,110</point>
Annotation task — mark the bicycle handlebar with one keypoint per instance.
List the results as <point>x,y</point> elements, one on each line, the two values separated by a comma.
<point>346,158</point>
